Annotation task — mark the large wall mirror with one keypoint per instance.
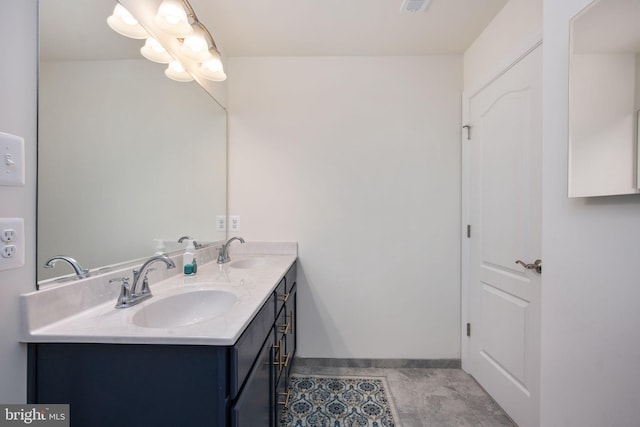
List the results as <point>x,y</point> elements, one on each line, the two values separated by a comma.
<point>128,160</point>
<point>604,99</point>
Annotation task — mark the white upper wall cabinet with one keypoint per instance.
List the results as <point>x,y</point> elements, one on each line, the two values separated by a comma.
<point>604,99</point>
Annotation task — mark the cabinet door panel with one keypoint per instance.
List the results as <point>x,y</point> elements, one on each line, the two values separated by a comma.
<point>132,385</point>
<point>280,398</point>
<point>253,406</point>
<point>291,341</point>
<point>249,344</point>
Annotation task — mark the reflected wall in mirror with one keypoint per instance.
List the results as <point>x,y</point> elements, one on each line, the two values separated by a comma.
<point>604,99</point>
<point>126,157</point>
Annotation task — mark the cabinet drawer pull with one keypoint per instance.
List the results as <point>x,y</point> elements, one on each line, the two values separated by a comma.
<point>279,363</point>
<point>291,321</point>
<point>283,297</point>
<point>276,351</point>
<point>285,328</point>
<point>287,396</point>
<point>277,348</point>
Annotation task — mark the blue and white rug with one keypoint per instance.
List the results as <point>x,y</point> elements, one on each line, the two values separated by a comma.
<point>322,401</point>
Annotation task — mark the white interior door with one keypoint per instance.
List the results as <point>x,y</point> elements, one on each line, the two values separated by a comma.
<point>504,213</point>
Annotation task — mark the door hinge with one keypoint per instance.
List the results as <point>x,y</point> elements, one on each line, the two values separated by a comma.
<point>468,128</point>
<point>468,231</point>
<point>468,329</point>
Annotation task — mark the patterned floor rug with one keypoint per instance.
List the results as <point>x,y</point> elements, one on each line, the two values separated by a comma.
<point>321,401</point>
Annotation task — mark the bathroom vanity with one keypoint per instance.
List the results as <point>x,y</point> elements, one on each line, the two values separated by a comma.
<point>118,368</point>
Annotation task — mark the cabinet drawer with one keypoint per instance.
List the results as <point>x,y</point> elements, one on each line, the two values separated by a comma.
<point>243,353</point>
<point>281,398</point>
<point>290,334</point>
<point>281,326</point>
<point>281,295</point>
<point>290,277</point>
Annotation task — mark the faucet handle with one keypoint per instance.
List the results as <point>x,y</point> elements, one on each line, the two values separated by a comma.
<point>125,293</point>
<point>124,280</point>
<point>145,283</point>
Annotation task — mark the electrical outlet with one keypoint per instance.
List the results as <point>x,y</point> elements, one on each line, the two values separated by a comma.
<point>8,251</point>
<point>234,220</point>
<point>221,223</point>
<point>12,243</point>
<point>8,235</point>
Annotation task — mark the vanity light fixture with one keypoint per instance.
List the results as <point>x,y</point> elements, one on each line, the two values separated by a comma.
<point>172,18</point>
<point>176,37</point>
<point>122,22</point>
<point>154,51</point>
<point>212,68</point>
<point>195,46</point>
<point>175,71</point>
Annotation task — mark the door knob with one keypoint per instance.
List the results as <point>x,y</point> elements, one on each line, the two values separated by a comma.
<point>537,265</point>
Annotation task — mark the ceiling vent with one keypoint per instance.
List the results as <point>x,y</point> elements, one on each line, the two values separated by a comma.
<point>414,5</point>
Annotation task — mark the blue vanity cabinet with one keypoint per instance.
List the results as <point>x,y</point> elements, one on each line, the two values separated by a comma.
<point>131,385</point>
<point>289,325</point>
<point>291,341</point>
<point>253,407</point>
<point>137,385</point>
<point>276,357</point>
<point>285,345</point>
<point>249,345</point>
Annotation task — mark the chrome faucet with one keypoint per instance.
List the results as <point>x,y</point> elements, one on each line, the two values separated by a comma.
<point>223,256</point>
<point>80,272</point>
<point>129,297</point>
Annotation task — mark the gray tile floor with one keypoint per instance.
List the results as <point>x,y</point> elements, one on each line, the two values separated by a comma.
<point>429,397</point>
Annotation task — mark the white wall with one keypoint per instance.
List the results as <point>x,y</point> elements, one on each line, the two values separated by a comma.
<point>518,24</point>
<point>590,287</point>
<point>18,46</point>
<point>357,159</point>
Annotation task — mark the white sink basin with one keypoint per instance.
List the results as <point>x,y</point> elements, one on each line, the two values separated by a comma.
<point>248,263</point>
<point>184,309</point>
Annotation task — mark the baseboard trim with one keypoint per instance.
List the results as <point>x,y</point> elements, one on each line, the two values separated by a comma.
<point>377,363</point>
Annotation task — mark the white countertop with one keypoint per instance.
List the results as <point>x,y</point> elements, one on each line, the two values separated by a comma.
<point>83,311</point>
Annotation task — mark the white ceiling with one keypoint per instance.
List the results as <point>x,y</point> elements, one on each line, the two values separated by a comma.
<point>343,27</point>
<point>282,27</point>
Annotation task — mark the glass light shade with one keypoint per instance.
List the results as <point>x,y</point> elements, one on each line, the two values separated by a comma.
<point>122,22</point>
<point>172,19</point>
<point>196,46</point>
<point>154,51</point>
<point>214,63</point>
<point>175,71</point>
<point>212,70</point>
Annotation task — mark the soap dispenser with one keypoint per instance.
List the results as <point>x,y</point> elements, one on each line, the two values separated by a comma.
<point>189,259</point>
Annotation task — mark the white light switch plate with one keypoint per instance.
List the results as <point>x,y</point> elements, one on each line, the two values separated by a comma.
<point>11,160</point>
<point>11,243</point>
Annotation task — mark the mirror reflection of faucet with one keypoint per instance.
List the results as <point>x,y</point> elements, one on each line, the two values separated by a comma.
<point>223,256</point>
<point>80,272</point>
<point>195,243</point>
